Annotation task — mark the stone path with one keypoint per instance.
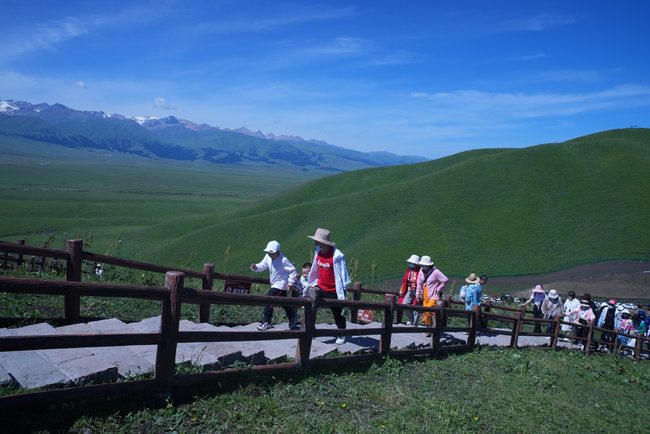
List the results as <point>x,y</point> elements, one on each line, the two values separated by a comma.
<point>79,366</point>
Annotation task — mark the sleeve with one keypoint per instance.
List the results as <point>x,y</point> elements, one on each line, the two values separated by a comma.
<point>312,277</point>
<point>345,279</point>
<point>291,269</point>
<point>262,265</point>
<point>419,288</point>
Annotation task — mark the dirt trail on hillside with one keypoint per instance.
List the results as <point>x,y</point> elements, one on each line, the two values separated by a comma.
<point>627,280</point>
<point>623,279</point>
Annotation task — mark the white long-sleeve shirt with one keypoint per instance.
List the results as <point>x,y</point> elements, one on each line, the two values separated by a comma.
<point>281,270</point>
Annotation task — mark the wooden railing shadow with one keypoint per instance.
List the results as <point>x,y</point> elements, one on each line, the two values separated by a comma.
<point>174,294</point>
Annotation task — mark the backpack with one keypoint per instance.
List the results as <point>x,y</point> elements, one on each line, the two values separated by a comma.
<point>609,318</point>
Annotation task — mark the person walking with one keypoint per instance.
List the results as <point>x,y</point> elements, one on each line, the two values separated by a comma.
<point>431,284</point>
<point>551,309</point>
<point>571,310</point>
<point>409,285</point>
<point>473,293</point>
<point>282,276</point>
<point>329,273</point>
<point>537,298</point>
<point>606,319</point>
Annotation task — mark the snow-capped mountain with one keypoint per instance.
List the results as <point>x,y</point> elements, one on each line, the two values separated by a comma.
<point>178,139</point>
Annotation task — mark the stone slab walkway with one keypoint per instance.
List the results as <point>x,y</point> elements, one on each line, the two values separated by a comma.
<point>78,366</point>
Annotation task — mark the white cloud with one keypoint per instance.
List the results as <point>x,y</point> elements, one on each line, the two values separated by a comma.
<point>343,45</point>
<point>164,104</point>
<point>44,36</point>
<point>257,24</point>
<point>488,107</point>
<point>540,22</point>
<point>80,83</point>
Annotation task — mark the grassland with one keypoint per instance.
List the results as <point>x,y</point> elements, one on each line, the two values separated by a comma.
<point>105,198</point>
<point>489,390</point>
<point>500,211</point>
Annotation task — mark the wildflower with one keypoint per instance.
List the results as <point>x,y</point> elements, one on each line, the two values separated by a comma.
<point>344,406</point>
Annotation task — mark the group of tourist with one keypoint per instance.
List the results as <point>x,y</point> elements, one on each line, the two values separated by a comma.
<point>423,284</point>
<point>327,273</point>
<point>609,315</point>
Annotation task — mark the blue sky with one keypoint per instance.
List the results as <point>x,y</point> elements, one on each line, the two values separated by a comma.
<point>427,78</point>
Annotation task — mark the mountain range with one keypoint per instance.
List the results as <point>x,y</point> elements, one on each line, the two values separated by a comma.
<point>172,138</point>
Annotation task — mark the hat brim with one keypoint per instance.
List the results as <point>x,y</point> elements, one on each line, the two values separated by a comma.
<point>321,240</point>
<point>477,280</point>
<point>271,251</point>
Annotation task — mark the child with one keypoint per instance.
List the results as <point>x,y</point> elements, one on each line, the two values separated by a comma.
<point>304,278</point>
<point>282,275</point>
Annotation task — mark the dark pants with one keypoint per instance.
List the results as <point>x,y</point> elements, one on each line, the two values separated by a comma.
<point>268,309</point>
<point>337,312</point>
<point>537,313</point>
<point>550,327</point>
<point>607,336</point>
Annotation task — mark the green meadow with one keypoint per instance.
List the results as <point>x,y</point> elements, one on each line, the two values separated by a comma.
<point>104,199</point>
<point>500,211</point>
<point>488,390</point>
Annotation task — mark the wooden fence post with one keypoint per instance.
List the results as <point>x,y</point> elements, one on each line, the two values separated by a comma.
<point>474,319</point>
<point>73,274</point>
<point>615,346</point>
<point>19,257</point>
<point>389,313</point>
<point>590,335</point>
<point>637,348</point>
<point>443,314</point>
<point>399,313</point>
<point>521,318</point>
<point>207,281</point>
<point>303,350</point>
<point>356,295</point>
<point>556,333</point>
<point>169,319</point>
<point>435,336</point>
<point>516,326</point>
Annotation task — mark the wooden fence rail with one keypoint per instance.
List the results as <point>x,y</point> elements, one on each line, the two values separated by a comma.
<point>174,294</point>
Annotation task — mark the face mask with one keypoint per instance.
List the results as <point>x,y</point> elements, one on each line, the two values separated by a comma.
<point>412,266</point>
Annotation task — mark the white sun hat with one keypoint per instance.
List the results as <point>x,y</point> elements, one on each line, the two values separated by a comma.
<point>272,247</point>
<point>414,259</point>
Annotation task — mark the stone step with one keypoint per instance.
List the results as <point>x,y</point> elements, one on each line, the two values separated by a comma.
<point>226,353</point>
<point>82,365</point>
<point>186,353</point>
<point>29,369</point>
<point>127,358</point>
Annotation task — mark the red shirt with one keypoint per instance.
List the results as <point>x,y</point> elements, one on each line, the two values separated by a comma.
<point>325,264</point>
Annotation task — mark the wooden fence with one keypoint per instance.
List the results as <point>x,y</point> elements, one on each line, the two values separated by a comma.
<point>174,294</point>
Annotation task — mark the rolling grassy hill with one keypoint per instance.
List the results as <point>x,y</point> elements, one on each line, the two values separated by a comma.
<point>500,211</point>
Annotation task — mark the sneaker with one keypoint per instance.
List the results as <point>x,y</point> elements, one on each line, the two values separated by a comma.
<point>409,323</point>
<point>294,327</point>
<point>264,326</point>
<point>340,340</point>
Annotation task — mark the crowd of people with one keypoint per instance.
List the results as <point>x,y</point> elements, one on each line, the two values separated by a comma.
<point>423,284</point>
<point>609,315</point>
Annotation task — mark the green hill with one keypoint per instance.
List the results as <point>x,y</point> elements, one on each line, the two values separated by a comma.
<point>500,211</point>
